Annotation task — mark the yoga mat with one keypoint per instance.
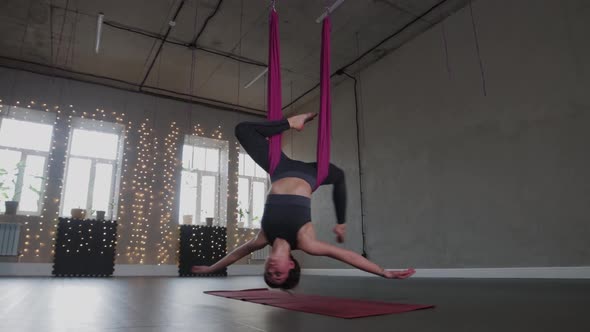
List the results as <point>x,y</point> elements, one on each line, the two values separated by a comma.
<point>321,305</point>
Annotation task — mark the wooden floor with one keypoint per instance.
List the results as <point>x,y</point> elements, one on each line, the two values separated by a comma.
<point>178,304</point>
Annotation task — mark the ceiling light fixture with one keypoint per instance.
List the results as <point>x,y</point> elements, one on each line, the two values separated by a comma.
<point>329,10</point>
<point>98,31</point>
<point>256,78</point>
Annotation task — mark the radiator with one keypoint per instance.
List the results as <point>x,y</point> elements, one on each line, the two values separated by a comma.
<point>261,254</point>
<point>9,236</point>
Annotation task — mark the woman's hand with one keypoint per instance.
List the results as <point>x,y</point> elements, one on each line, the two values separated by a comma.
<point>403,274</point>
<point>340,231</point>
<point>201,269</point>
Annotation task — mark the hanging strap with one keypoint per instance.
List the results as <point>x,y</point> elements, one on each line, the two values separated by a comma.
<point>274,90</point>
<point>274,102</point>
<point>324,126</point>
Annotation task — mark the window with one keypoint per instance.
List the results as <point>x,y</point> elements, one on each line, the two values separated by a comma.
<point>203,188</point>
<point>25,142</point>
<point>252,189</point>
<point>93,167</point>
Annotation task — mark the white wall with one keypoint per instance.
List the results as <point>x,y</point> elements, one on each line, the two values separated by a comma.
<point>156,113</point>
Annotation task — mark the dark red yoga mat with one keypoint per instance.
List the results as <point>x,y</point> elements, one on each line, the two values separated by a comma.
<point>322,305</point>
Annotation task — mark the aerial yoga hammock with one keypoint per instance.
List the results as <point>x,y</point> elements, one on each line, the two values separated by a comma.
<point>286,222</point>
<point>274,99</point>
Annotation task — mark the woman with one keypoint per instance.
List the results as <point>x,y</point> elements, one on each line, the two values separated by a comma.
<point>286,222</point>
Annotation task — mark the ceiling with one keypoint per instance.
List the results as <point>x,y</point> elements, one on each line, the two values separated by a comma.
<point>58,37</point>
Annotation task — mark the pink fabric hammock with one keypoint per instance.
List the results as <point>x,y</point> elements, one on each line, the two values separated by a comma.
<point>324,126</point>
<point>274,90</point>
<point>274,98</point>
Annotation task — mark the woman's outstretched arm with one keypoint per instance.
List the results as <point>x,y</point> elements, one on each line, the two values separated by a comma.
<point>254,244</point>
<point>319,248</point>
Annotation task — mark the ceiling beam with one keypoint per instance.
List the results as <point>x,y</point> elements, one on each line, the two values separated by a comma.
<point>194,43</point>
<point>170,26</point>
<point>171,41</point>
<point>153,35</point>
<point>341,70</point>
<point>55,71</point>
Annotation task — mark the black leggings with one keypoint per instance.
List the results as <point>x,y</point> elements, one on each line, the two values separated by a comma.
<point>253,137</point>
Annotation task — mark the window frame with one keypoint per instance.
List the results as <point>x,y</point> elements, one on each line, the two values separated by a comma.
<point>114,192</point>
<point>39,117</point>
<point>220,176</point>
<point>249,224</point>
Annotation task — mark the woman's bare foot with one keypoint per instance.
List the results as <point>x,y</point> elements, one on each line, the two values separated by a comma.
<point>298,121</point>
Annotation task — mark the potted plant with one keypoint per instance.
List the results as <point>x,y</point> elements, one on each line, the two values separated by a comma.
<point>242,213</point>
<point>255,219</point>
<point>187,219</point>
<point>78,213</point>
<point>100,215</point>
<point>10,202</point>
<point>112,206</point>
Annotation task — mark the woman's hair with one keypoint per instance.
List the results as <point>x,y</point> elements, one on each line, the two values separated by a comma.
<point>291,281</point>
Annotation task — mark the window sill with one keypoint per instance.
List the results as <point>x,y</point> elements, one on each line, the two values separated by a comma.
<point>248,229</point>
<point>18,217</point>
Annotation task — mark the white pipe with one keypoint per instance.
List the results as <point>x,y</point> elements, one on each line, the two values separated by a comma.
<point>332,8</point>
<point>98,31</point>
<point>256,78</point>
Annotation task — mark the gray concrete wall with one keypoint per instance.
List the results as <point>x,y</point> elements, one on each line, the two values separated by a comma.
<point>452,177</point>
<point>344,152</point>
<point>158,114</point>
<point>456,178</point>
